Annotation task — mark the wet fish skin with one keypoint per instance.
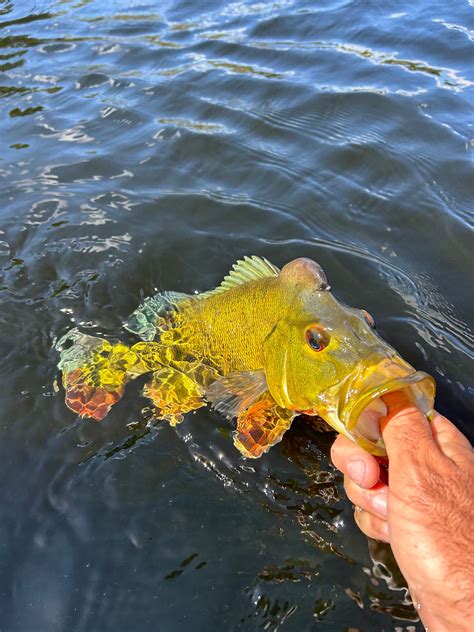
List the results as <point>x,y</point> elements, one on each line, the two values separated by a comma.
<point>263,346</point>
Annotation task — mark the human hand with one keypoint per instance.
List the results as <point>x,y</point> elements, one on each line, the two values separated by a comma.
<point>426,511</point>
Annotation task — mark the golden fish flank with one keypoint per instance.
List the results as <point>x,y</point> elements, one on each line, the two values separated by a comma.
<point>264,346</point>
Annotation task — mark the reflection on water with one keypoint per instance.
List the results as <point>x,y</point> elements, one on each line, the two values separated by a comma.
<point>149,148</point>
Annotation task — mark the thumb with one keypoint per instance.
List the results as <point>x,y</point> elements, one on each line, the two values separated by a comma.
<point>406,431</point>
<point>450,440</point>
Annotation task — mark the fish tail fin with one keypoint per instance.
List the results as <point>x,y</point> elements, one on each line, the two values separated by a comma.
<point>94,372</point>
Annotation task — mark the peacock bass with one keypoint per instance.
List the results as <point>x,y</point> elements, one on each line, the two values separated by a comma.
<point>264,346</point>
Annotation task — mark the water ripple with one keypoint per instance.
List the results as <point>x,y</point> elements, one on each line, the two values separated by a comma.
<point>149,148</point>
<point>444,77</point>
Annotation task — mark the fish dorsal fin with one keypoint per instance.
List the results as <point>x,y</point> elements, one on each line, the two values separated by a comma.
<point>243,271</point>
<point>235,392</point>
<point>248,269</point>
<point>144,322</point>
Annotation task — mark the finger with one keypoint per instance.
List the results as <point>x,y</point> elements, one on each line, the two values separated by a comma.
<point>355,462</point>
<point>450,440</point>
<point>372,500</point>
<point>396,401</point>
<point>372,526</point>
<point>406,431</point>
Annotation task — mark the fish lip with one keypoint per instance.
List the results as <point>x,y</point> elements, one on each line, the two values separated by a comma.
<point>356,405</point>
<point>378,376</point>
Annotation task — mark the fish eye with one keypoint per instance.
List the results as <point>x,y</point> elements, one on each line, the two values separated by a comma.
<point>317,338</point>
<point>368,317</point>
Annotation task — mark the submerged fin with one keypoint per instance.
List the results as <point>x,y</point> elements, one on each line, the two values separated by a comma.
<point>260,427</point>
<point>235,392</point>
<point>174,394</point>
<point>91,378</point>
<point>145,320</point>
<point>94,372</point>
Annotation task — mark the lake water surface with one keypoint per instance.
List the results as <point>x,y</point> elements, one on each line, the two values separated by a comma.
<point>150,145</point>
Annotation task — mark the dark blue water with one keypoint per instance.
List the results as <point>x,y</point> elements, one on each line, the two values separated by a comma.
<point>150,145</point>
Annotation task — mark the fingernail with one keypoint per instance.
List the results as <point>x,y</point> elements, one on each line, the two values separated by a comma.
<point>379,503</point>
<point>385,532</point>
<point>357,470</point>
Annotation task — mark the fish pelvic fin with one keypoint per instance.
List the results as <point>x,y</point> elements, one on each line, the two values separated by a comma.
<point>94,372</point>
<point>148,320</point>
<point>261,426</point>
<point>235,392</point>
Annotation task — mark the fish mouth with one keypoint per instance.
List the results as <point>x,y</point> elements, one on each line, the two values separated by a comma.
<point>362,406</point>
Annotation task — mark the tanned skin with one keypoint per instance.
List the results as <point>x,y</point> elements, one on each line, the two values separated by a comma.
<point>426,512</point>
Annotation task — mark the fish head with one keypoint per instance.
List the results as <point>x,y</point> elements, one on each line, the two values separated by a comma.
<point>325,358</point>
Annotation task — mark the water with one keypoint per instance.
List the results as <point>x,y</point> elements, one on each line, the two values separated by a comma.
<point>150,146</point>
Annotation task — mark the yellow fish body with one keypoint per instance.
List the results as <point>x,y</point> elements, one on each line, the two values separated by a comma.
<point>264,346</point>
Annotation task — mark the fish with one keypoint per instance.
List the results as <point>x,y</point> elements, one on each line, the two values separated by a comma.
<point>262,347</point>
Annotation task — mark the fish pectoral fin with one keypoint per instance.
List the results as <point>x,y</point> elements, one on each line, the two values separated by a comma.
<point>174,394</point>
<point>261,426</point>
<point>147,320</point>
<point>235,392</point>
